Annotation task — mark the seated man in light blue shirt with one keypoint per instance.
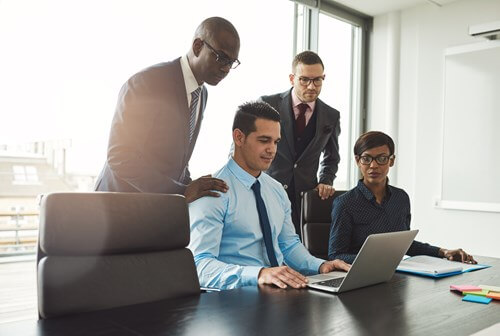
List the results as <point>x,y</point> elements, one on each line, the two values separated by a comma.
<point>246,236</point>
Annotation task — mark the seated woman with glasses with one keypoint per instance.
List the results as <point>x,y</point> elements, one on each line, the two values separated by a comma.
<point>374,206</point>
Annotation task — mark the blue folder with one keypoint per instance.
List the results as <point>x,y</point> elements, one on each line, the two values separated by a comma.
<point>443,275</point>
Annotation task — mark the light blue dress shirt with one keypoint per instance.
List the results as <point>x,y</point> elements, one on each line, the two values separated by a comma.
<point>226,238</point>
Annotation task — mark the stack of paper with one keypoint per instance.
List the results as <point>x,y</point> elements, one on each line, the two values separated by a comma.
<point>479,294</point>
<point>490,288</point>
<point>494,291</point>
<point>435,267</point>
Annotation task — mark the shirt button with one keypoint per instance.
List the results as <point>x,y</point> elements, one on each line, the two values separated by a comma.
<point>295,166</point>
<point>285,186</point>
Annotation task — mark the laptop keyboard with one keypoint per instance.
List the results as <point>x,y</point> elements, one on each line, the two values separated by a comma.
<point>331,283</point>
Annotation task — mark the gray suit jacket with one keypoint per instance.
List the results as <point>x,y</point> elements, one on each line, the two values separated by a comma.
<point>304,169</point>
<point>149,147</point>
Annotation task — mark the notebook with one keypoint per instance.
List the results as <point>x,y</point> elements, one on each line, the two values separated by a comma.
<point>435,267</point>
<point>376,262</point>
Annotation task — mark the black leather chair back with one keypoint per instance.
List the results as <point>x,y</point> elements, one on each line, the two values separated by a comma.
<point>105,250</point>
<point>315,222</point>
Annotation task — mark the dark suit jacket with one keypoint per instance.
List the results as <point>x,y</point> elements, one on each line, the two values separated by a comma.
<point>149,147</point>
<point>304,169</point>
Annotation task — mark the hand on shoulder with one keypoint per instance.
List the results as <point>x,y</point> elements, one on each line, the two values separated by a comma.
<point>204,186</point>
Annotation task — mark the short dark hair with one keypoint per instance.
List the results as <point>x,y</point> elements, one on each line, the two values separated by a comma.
<point>306,57</point>
<point>371,140</point>
<point>247,113</point>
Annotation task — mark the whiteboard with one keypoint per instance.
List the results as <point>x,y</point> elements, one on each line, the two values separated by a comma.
<point>471,128</point>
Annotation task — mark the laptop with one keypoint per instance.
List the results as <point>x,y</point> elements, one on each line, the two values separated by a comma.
<point>376,262</point>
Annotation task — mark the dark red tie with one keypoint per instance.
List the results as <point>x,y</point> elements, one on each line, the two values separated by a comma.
<point>300,123</point>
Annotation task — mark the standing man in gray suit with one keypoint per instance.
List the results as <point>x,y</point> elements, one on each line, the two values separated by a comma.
<point>309,127</point>
<point>158,118</point>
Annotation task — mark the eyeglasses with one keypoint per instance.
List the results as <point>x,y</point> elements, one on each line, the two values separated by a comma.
<point>317,81</point>
<point>223,60</point>
<point>381,159</point>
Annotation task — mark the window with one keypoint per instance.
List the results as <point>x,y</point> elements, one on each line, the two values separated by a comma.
<point>80,67</point>
<point>25,175</point>
<point>17,219</point>
<point>266,54</point>
<point>339,39</point>
<point>85,65</point>
<point>335,49</point>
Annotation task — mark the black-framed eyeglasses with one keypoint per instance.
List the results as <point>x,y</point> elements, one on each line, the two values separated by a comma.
<point>317,81</point>
<point>381,159</point>
<point>222,59</point>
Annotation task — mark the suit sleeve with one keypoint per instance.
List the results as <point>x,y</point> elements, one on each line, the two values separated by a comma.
<point>270,100</point>
<point>136,113</point>
<point>186,180</point>
<point>331,158</point>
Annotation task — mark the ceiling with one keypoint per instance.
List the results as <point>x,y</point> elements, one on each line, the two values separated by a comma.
<point>377,7</point>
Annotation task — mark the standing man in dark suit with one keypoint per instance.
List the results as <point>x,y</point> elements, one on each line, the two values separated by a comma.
<point>309,127</point>
<point>158,118</point>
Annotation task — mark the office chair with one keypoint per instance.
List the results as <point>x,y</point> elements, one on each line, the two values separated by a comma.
<point>104,250</point>
<point>315,222</point>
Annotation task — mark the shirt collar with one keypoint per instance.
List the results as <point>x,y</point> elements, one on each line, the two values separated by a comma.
<point>244,177</point>
<point>365,191</point>
<point>296,101</point>
<point>369,195</point>
<point>189,79</point>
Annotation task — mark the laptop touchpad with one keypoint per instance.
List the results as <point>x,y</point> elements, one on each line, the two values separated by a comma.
<point>327,276</point>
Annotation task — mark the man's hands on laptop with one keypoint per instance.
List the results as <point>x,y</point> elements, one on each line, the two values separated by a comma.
<point>204,186</point>
<point>284,276</point>
<point>334,265</point>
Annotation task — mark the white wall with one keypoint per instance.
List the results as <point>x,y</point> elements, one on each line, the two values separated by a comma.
<point>416,61</point>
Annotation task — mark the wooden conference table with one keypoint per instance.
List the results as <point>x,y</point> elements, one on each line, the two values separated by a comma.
<point>406,305</point>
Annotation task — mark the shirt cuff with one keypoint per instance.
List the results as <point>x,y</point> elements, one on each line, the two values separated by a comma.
<point>249,275</point>
<point>434,251</point>
<point>316,264</point>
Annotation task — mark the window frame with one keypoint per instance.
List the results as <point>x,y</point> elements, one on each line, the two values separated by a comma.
<point>306,38</point>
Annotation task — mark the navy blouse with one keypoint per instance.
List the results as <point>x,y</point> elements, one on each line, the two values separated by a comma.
<point>356,215</point>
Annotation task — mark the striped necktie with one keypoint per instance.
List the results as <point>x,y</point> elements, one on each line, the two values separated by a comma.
<point>195,96</point>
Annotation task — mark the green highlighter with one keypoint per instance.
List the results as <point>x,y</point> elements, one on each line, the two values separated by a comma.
<point>482,292</point>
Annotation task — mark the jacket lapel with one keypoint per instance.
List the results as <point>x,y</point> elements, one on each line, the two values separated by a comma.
<point>286,121</point>
<point>182,107</point>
